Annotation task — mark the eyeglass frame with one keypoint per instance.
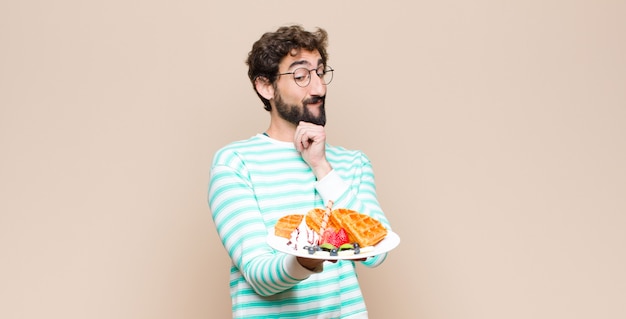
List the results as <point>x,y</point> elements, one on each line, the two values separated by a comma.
<point>326,69</point>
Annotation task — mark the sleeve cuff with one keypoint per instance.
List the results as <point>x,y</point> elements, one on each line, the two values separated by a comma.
<point>331,187</point>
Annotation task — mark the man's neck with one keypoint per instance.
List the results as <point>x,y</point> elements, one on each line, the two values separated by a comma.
<point>281,130</point>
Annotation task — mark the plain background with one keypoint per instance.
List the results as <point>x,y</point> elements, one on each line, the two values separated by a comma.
<point>496,130</point>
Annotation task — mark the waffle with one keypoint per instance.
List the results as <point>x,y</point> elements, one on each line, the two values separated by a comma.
<point>361,228</point>
<point>287,224</point>
<point>314,220</point>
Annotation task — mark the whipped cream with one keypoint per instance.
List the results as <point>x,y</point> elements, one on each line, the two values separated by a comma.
<point>302,236</point>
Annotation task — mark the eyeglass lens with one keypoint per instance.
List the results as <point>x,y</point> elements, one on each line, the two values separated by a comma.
<point>302,76</point>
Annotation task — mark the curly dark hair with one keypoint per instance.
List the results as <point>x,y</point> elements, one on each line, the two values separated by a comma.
<point>272,47</point>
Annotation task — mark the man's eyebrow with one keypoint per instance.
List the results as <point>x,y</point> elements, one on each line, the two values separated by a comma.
<point>303,62</point>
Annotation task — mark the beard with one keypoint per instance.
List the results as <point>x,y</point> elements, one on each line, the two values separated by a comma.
<point>294,113</point>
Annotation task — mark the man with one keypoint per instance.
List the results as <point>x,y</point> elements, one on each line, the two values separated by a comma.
<point>289,169</point>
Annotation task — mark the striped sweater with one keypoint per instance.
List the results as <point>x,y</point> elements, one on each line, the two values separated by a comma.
<point>255,182</point>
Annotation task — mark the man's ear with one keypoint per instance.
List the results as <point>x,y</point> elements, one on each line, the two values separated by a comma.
<point>264,87</point>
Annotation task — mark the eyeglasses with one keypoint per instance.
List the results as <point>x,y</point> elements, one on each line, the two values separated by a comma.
<point>302,76</point>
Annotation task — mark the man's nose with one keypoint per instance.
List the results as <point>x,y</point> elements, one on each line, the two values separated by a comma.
<point>317,86</point>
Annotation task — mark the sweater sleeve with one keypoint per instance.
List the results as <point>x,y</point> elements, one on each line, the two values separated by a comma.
<point>242,231</point>
<point>355,189</point>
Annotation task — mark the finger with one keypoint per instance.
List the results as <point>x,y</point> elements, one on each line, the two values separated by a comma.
<point>297,140</point>
<point>302,141</point>
<point>304,137</point>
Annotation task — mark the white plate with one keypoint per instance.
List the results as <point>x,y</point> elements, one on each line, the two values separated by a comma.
<point>390,242</point>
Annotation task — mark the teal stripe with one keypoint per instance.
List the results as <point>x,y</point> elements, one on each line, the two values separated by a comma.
<point>225,222</point>
<point>234,246</point>
<point>272,181</point>
<point>286,300</point>
<point>310,312</point>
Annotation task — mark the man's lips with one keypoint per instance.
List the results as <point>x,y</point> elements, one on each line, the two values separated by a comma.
<point>314,101</point>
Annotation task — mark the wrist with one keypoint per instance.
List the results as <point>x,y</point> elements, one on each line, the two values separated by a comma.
<point>320,171</point>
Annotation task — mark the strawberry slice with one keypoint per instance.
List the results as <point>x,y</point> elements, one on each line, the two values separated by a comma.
<point>335,238</point>
<point>341,237</point>
<point>328,236</point>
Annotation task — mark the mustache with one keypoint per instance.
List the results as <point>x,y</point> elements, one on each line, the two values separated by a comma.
<point>314,99</point>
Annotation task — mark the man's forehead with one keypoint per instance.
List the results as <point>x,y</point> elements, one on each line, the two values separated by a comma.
<point>301,57</point>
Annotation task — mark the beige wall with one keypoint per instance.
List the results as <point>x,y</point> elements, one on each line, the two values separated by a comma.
<point>496,130</point>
